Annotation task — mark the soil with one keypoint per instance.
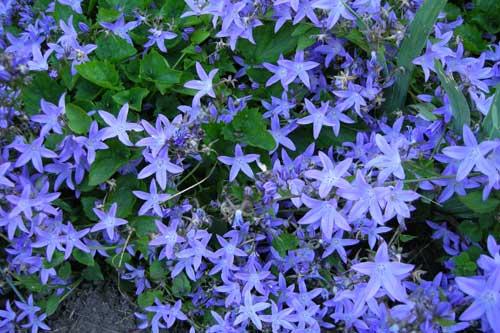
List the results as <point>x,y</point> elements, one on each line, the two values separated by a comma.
<point>95,308</point>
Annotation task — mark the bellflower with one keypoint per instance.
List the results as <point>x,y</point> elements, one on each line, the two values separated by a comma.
<point>298,68</point>
<point>3,171</point>
<point>331,175</point>
<point>33,152</point>
<point>153,199</point>
<point>74,4</point>
<point>239,162</point>
<point>168,237</point>
<point>249,311</point>
<point>160,166</point>
<point>118,127</point>
<point>317,116</point>
<point>472,155</point>
<point>486,304</point>
<point>384,273</point>
<point>108,221</point>
<point>204,85</point>
<point>158,37</point>
<point>120,28</point>
<point>388,163</point>
<point>51,116</point>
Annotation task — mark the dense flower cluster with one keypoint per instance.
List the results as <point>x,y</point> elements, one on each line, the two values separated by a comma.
<point>268,165</point>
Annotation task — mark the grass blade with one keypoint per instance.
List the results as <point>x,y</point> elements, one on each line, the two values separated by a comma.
<point>411,47</point>
<point>491,123</point>
<point>459,106</point>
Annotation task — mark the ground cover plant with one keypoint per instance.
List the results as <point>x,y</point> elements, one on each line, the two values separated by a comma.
<point>252,166</point>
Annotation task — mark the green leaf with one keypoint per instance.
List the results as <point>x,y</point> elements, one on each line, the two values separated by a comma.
<point>52,304</point>
<point>57,259</point>
<point>133,97</point>
<point>491,123</point>
<point>472,38</point>
<point>143,225</point>
<point>118,260</point>
<point>471,230</point>
<point>199,36</point>
<point>93,273</point>
<point>474,201</point>
<point>154,68</point>
<point>485,15</point>
<point>181,285</point>
<point>107,163</point>
<point>78,120</point>
<point>268,45</point>
<point>83,257</point>
<point>123,196</point>
<point>284,243</point>
<point>459,105</point>
<point>249,127</point>
<point>64,272</point>
<point>113,48</point>
<point>425,110</point>
<point>421,168</point>
<point>147,298</point>
<point>88,203</point>
<point>41,86</point>
<point>101,73</point>
<point>414,42</point>
<point>157,270</point>
<point>406,238</point>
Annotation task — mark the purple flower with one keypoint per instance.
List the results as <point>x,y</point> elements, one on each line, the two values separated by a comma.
<point>335,9</point>
<point>51,116</point>
<point>433,52</point>
<point>366,197</point>
<point>279,318</point>
<point>39,61</point>
<point>384,273</point>
<point>74,4</point>
<point>317,116</point>
<point>472,155</point>
<point>326,213</point>
<point>298,68</point>
<point>7,318</point>
<point>158,37</point>
<point>108,221</point>
<point>33,152</point>
<point>169,314</point>
<point>168,237</point>
<point>93,142</point>
<point>248,311</point>
<point>204,85</point>
<point>239,162</point>
<point>119,126</point>
<point>50,239</point>
<point>72,239</point>
<point>486,304</point>
<point>28,309</point>
<point>388,163</point>
<point>331,175</point>
<point>153,200</point>
<point>3,171</point>
<point>280,134</point>
<point>280,73</point>
<point>337,244</point>
<point>120,28</point>
<point>160,166</point>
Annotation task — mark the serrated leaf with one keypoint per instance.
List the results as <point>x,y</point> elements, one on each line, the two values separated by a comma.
<point>41,86</point>
<point>154,68</point>
<point>199,36</point>
<point>83,257</point>
<point>107,162</point>
<point>113,48</point>
<point>157,270</point>
<point>474,201</point>
<point>93,273</point>
<point>414,42</point>
<point>458,102</point>
<point>284,243</point>
<point>148,297</point>
<point>181,285</point>
<point>133,97</point>
<point>249,126</point>
<point>78,120</point>
<point>101,73</point>
<point>472,38</point>
<point>268,45</point>
<point>52,304</point>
